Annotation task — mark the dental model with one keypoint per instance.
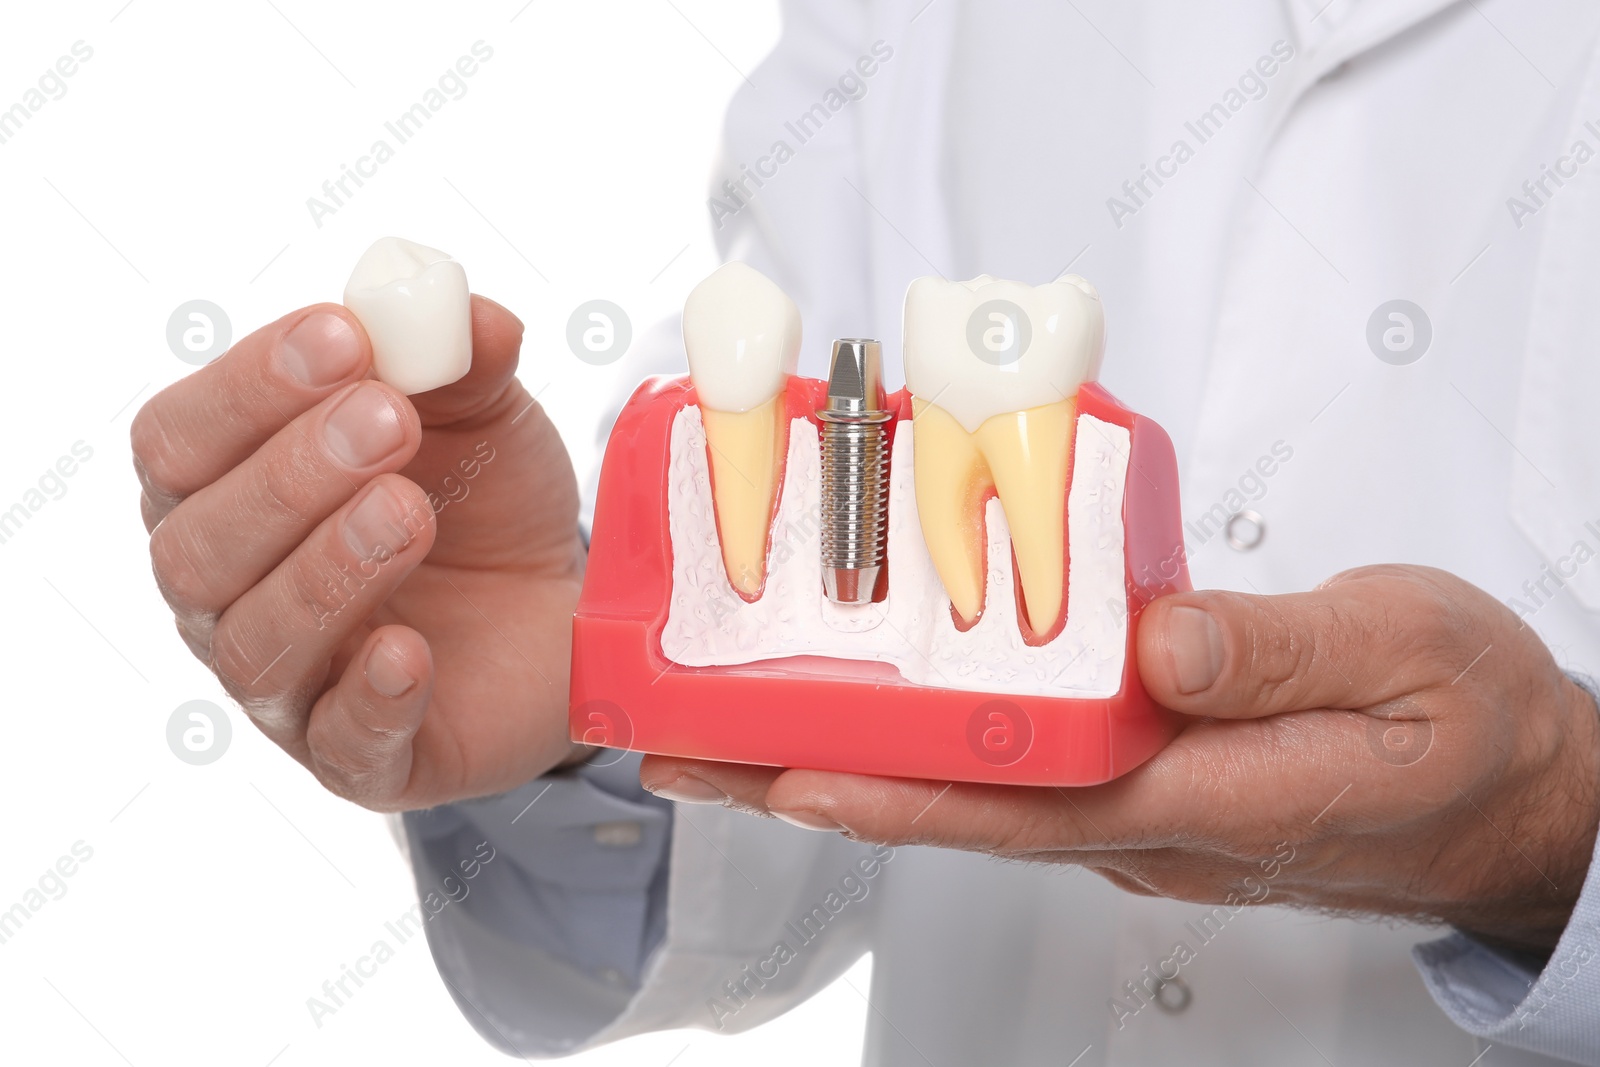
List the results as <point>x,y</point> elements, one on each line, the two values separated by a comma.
<point>742,336</point>
<point>414,304</point>
<point>940,582</point>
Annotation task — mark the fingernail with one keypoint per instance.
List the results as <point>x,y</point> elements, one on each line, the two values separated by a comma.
<point>386,675</point>
<point>1196,648</point>
<point>320,350</point>
<point>375,528</point>
<point>364,428</point>
<point>687,789</point>
<point>809,820</point>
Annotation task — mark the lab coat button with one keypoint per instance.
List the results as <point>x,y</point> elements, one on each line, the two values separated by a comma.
<point>1245,531</point>
<point>1173,995</point>
<point>625,834</point>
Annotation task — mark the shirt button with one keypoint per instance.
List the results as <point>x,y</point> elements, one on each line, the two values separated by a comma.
<point>624,834</point>
<point>1245,531</point>
<point>1173,995</point>
<point>611,976</point>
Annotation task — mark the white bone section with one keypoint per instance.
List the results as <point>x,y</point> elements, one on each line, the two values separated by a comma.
<point>708,624</point>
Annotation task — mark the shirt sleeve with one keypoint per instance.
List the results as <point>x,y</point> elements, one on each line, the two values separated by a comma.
<point>556,929</point>
<point>542,945</point>
<point>1510,1000</point>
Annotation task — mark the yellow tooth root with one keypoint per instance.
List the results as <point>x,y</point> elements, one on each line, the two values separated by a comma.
<point>951,480</point>
<point>746,451</point>
<point>1028,452</point>
<point>1024,457</point>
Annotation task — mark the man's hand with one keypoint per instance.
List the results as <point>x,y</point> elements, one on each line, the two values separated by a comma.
<point>1395,742</point>
<point>384,583</point>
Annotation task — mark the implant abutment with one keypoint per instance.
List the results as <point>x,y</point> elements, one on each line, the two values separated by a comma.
<point>855,472</point>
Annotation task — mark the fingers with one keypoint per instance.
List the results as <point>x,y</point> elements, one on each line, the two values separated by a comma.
<point>197,429</point>
<point>1365,637</point>
<point>687,781</point>
<point>272,647</point>
<point>227,536</point>
<point>1305,775</point>
<point>1186,797</point>
<point>973,817</point>
<point>1115,836</point>
<point>962,815</point>
<point>360,734</point>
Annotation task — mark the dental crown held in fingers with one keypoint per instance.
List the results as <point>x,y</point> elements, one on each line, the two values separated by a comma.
<point>414,304</point>
<point>940,582</point>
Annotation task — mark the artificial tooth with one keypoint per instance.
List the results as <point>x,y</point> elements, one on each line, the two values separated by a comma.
<point>742,336</point>
<point>994,369</point>
<point>413,302</point>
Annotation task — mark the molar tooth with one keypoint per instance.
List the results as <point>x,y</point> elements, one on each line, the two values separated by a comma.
<point>742,336</point>
<point>998,418</point>
<point>414,304</point>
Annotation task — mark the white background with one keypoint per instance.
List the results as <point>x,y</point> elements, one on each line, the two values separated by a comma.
<point>176,166</point>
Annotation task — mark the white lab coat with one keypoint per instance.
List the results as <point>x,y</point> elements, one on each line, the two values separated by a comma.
<point>1377,166</point>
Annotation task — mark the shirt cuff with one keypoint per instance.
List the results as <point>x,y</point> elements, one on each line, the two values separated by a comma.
<point>581,854</point>
<point>1508,1000</point>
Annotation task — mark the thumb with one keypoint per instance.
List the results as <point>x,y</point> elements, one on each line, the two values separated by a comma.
<point>496,342</point>
<point>1365,638</point>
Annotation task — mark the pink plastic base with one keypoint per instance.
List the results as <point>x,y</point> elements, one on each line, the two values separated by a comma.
<point>836,714</point>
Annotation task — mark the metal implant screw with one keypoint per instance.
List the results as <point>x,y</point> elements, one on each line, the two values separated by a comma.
<point>855,472</point>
